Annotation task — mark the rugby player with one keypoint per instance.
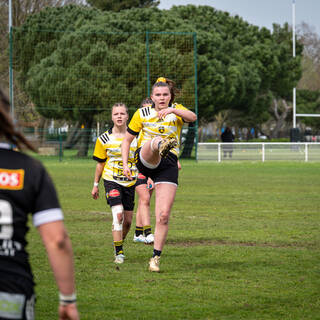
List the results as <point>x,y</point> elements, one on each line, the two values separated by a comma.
<point>157,154</point>
<point>26,188</point>
<point>118,188</point>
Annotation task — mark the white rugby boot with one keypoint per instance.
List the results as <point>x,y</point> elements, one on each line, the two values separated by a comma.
<point>119,258</point>
<point>139,238</point>
<point>149,239</point>
<point>154,264</point>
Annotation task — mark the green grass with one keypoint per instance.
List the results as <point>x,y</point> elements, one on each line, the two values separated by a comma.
<point>243,243</point>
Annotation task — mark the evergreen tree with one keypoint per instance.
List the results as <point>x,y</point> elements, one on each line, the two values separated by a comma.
<point>78,73</point>
<point>118,5</point>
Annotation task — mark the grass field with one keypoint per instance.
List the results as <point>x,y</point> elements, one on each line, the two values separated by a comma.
<point>243,244</point>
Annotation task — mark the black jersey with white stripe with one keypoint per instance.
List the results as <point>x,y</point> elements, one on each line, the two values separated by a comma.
<point>25,188</point>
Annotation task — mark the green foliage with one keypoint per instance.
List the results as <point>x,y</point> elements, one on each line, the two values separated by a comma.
<point>289,69</point>
<point>118,5</point>
<point>309,102</point>
<point>75,74</point>
<point>240,67</point>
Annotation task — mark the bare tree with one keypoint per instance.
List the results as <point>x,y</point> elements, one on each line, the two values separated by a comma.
<point>311,57</point>
<point>21,9</point>
<point>221,118</point>
<point>280,112</point>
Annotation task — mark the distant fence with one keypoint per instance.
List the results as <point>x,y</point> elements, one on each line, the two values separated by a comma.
<point>259,151</point>
<point>61,144</point>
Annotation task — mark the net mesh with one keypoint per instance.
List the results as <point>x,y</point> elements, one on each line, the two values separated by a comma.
<point>67,74</point>
<point>78,76</point>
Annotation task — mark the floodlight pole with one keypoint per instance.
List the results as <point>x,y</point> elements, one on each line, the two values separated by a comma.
<point>294,55</point>
<point>10,63</point>
<point>10,14</point>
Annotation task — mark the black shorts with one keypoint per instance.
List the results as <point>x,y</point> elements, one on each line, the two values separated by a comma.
<point>141,179</point>
<point>117,194</point>
<point>166,171</point>
<point>17,291</point>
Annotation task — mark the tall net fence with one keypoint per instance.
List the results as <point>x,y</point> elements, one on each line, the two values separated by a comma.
<point>66,82</point>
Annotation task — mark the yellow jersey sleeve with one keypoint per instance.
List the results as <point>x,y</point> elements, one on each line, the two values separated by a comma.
<point>99,153</point>
<point>135,124</point>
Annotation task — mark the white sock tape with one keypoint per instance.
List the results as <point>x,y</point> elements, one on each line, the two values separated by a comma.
<point>115,211</point>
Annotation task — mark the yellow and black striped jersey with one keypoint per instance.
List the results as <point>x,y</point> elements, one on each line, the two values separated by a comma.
<point>108,150</point>
<point>147,125</point>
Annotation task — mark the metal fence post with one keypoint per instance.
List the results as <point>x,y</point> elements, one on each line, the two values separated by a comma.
<point>306,152</point>
<point>11,72</point>
<point>196,90</point>
<point>60,147</point>
<point>148,62</point>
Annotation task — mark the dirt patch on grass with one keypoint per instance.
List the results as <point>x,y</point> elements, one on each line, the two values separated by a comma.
<point>193,243</point>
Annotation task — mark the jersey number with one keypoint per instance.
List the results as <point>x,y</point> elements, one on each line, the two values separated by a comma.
<point>6,220</point>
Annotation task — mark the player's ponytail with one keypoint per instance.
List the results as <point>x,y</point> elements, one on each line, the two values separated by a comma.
<point>7,129</point>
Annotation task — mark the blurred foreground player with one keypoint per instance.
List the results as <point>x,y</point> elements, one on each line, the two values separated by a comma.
<point>25,187</point>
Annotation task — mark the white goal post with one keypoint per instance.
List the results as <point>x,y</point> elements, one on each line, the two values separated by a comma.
<point>315,115</point>
<point>258,151</point>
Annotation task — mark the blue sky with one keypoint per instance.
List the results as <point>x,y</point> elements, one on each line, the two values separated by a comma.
<point>262,12</point>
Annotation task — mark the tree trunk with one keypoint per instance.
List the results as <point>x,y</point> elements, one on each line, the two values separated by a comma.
<point>73,136</point>
<point>189,142</point>
<point>85,136</point>
<point>42,129</point>
<point>280,118</point>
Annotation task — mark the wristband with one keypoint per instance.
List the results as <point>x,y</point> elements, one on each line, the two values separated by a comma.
<point>67,299</point>
<point>96,184</point>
